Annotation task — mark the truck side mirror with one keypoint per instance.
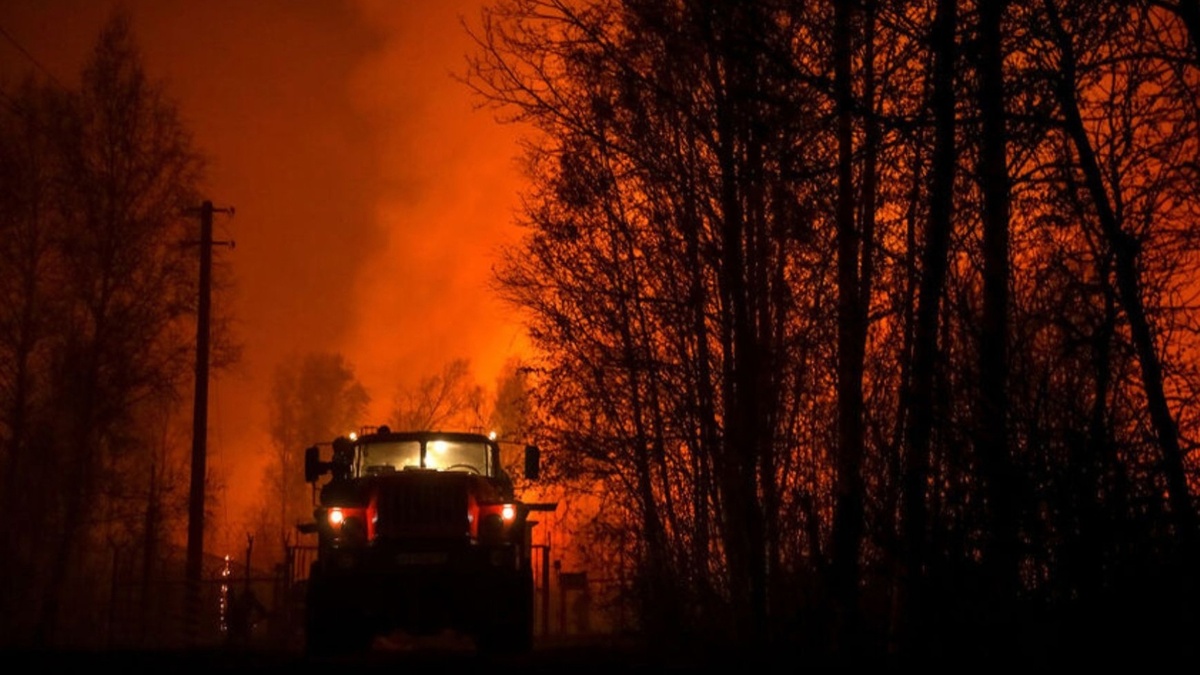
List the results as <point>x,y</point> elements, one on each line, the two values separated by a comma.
<point>533,458</point>
<point>314,468</point>
<point>343,457</point>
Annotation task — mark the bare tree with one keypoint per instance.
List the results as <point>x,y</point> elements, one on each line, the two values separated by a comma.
<point>512,414</point>
<point>450,399</point>
<point>844,321</point>
<point>97,322</point>
<point>853,252</point>
<point>999,484</point>
<point>921,422</point>
<point>1125,249</point>
<point>28,232</point>
<point>314,399</point>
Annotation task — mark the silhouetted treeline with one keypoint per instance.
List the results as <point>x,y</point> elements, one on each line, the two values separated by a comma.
<point>315,398</point>
<point>874,319</point>
<point>98,269</point>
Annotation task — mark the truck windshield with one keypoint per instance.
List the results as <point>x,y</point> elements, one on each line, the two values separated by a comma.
<point>442,455</point>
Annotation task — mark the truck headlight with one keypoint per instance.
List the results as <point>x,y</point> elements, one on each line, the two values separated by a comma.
<point>346,525</point>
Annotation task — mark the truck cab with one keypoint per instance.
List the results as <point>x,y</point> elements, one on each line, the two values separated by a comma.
<point>419,531</point>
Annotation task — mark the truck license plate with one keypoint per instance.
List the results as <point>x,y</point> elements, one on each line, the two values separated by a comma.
<point>422,558</point>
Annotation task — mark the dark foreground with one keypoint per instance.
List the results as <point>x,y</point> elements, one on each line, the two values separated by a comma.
<point>564,662</point>
<point>609,657</point>
<point>573,659</point>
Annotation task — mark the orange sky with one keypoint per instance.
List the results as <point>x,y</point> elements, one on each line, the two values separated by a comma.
<point>370,196</point>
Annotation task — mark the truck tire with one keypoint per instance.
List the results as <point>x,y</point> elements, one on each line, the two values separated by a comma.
<point>508,629</point>
<point>330,629</point>
<point>521,630</point>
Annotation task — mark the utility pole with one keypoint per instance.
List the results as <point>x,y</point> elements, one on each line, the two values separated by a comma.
<point>195,539</point>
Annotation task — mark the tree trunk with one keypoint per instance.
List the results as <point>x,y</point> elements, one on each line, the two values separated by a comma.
<point>925,344</point>
<point>992,439</point>
<point>848,514</point>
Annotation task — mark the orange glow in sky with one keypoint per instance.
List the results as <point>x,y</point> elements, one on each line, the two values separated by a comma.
<point>370,195</point>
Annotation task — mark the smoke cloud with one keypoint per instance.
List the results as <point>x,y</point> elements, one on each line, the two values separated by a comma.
<point>371,196</point>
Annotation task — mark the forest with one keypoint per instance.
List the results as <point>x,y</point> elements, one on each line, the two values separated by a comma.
<point>97,338</point>
<point>871,324</point>
<point>873,321</point>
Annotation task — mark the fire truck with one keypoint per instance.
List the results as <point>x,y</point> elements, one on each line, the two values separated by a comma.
<point>418,531</point>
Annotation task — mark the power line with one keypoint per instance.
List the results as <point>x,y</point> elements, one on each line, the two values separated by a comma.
<point>29,56</point>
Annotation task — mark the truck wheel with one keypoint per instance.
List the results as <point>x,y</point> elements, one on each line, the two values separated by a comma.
<point>521,628</point>
<point>509,629</point>
<point>335,636</point>
<point>330,630</point>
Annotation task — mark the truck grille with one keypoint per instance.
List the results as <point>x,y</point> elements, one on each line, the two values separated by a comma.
<point>435,508</point>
